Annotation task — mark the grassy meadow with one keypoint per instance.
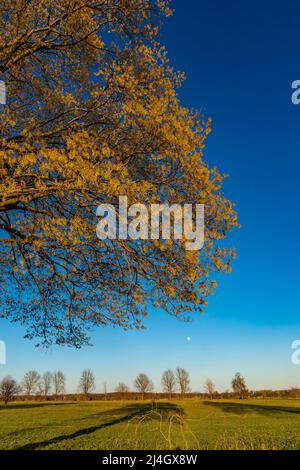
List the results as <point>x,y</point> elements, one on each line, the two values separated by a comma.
<point>181,424</point>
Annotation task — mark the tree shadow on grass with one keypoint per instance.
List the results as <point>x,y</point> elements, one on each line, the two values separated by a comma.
<point>163,409</point>
<point>25,406</point>
<point>120,415</point>
<point>243,408</point>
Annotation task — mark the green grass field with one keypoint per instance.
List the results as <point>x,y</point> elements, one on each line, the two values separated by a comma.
<point>188,424</point>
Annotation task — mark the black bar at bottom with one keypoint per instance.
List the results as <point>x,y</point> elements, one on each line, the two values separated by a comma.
<point>148,459</point>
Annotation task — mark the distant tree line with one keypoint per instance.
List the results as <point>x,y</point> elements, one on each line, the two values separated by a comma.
<point>33,384</point>
<point>175,384</point>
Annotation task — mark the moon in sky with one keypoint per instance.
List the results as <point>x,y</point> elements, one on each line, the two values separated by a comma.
<point>188,338</point>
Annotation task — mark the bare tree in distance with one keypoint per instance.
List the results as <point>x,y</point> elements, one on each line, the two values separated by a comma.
<point>87,382</point>
<point>122,389</point>
<point>238,384</point>
<point>105,390</point>
<point>209,387</point>
<point>31,382</point>
<point>59,383</point>
<point>168,381</point>
<point>183,381</point>
<point>143,384</point>
<point>8,389</point>
<point>46,383</point>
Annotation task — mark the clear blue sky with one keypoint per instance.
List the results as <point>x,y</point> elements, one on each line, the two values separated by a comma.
<point>240,59</point>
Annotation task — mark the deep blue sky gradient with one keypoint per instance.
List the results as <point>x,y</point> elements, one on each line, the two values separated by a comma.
<point>240,59</point>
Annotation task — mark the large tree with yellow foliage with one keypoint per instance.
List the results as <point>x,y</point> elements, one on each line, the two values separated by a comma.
<point>93,113</point>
